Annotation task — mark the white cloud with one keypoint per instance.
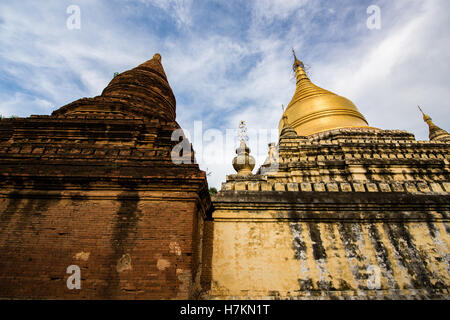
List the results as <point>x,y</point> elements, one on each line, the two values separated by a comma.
<point>47,59</point>
<point>387,77</point>
<point>269,10</point>
<point>180,10</point>
<point>14,105</point>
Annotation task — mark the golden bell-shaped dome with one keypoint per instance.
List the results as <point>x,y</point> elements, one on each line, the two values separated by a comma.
<point>313,109</point>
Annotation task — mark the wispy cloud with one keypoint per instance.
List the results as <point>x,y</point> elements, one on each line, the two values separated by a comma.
<point>179,10</point>
<point>266,11</point>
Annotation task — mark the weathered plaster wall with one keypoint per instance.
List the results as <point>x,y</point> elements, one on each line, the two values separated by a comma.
<point>337,253</point>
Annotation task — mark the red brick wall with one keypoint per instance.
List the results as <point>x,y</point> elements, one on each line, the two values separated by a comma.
<point>40,238</point>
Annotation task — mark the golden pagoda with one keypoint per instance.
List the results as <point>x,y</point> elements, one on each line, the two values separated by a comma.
<point>352,212</point>
<point>436,133</point>
<point>313,109</point>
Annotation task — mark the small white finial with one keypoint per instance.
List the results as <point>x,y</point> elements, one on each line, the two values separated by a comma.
<point>243,131</point>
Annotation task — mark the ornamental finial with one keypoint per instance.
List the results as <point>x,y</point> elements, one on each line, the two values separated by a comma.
<point>435,133</point>
<point>297,63</point>
<point>243,163</point>
<point>243,131</point>
<point>425,116</point>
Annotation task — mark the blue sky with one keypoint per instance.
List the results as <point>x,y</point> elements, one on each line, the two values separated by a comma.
<point>231,60</point>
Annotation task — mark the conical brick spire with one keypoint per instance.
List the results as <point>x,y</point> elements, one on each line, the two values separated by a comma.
<point>142,91</point>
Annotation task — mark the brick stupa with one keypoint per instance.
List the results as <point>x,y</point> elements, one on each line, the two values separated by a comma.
<point>94,185</point>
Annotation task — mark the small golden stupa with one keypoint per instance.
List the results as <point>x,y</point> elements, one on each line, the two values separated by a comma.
<point>436,133</point>
<point>243,163</point>
<point>313,109</point>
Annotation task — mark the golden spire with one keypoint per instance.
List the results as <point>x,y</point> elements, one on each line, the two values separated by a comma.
<point>273,155</point>
<point>313,109</point>
<point>436,133</point>
<point>426,117</point>
<point>297,63</point>
<point>284,117</point>
<point>286,129</point>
